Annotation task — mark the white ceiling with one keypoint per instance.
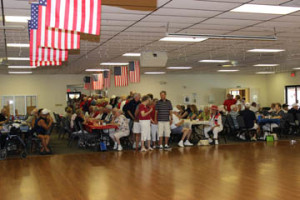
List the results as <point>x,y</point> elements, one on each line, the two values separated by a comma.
<point>137,26</point>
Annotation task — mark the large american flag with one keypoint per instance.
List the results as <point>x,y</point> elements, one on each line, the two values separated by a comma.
<point>54,38</point>
<point>121,77</point>
<point>97,81</point>
<point>106,76</point>
<point>134,72</point>
<point>75,15</point>
<point>40,53</point>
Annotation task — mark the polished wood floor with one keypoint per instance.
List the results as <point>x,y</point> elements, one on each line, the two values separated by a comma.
<point>251,171</point>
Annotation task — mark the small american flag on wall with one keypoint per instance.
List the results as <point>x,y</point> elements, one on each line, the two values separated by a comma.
<point>121,76</point>
<point>106,76</point>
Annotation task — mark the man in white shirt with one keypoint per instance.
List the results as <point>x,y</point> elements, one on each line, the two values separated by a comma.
<point>177,128</point>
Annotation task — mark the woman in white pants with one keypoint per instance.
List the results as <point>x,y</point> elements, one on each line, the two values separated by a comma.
<point>145,120</point>
<point>154,126</point>
<point>215,125</point>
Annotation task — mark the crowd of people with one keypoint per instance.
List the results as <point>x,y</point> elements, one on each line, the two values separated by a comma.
<point>148,121</point>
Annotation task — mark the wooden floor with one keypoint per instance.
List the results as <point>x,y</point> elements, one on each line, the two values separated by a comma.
<point>239,171</point>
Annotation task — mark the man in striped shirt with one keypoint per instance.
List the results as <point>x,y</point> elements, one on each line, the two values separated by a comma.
<point>163,115</point>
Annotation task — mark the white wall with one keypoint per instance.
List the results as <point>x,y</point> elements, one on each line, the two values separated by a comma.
<point>51,89</point>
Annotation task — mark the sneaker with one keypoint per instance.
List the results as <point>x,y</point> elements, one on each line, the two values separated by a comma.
<point>120,148</point>
<point>187,143</point>
<point>143,149</point>
<point>216,142</point>
<point>150,149</point>
<point>253,139</point>
<point>161,147</point>
<point>242,137</point>
<point>210,140</point>
<point>180,143</point>
<point>134,145</point>
<point>115,146</point>
<point>167,148</point>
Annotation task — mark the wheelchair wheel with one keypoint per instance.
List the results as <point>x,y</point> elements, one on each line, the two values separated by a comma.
<point>23,154</point>
<point>3,154</point>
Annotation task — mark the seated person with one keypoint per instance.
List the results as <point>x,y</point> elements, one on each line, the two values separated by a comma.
<point>42,126</point>
<point>177,128</point>
<point>254,107</point>
<point>250,120</point>
<point>181,109</point>
<point>285,108</point>
<point>277,114</point>
<point>294,110</point>
<point>215,125</point>
<point>69,113</point>
<point>108,112</point>
<point>4,117</point>
<point>100,113</point>
<point>272,109</point>
<point>205,115</point>
<point>123,128</point>
<point>32,118</point>
<point>186,112</point>
<point>79,120</point>
<point>234,113</point>
<point>194,112</point>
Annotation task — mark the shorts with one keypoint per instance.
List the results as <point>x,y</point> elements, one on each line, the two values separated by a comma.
<point>136,128</point>
<point>120,134</point>
<point>164,129</point>
<point>177,130</point>
<point>145,130</point>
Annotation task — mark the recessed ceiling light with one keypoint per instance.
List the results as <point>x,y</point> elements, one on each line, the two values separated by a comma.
<point>266,9</point>
<point>183,39</point>
<point>228,70</point>
<point>21,67</point>
<point>265,72</point>
<point>22,19</point>
<point>265,50</point>
<point>17,45</point>
<point>152,73</point>
<point>179,67</point>
<point>17,58</point>
<point>114,63</point>
<point>214,61</point>
<point>20,72</point>
<point>227,65</point>
<point>96,70</point>
<point>297,68</point>
<point>132,54</point>
<point>266,65</point>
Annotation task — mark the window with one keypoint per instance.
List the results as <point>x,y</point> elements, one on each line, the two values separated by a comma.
<point>19,105</point>
<point>292,94</point>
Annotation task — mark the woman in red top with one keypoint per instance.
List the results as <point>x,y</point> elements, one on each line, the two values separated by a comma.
<point>144,119</point>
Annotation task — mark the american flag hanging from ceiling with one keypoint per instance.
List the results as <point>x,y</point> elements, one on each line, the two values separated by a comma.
<point>121,76</point>
<point>106,76</point>
<point>134,71</point>
<point>75,15</point>
<point>52,37</point>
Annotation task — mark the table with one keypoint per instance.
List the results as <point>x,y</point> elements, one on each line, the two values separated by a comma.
<point>268,121</point>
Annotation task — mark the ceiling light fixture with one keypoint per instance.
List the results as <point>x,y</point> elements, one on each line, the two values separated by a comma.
<point>265,72</point>
<point>183,39</point>
<point>228,70</point>
<point>21,67</point>
<point>266,9</point>
<point>179,67</point>
<point>265,50</point>
<point>17,58</point>
<point>297,68</point>
<point>132,54</point>
<point>21,19</point>
<point>214,61</point>
<point>19,72</point>
<point>114,63</point>
<point>153,73</point>
<point>96,70</point>
<point>17,45</point>
<point>266,65</point>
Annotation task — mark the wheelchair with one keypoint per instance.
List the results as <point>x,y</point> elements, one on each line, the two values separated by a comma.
<point>11,143</point>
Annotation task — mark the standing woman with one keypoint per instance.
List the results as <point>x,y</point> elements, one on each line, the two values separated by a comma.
<point>145,119</point>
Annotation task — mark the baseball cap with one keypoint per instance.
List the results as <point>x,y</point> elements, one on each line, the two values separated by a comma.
<point>45,111</point>
<point>214,107</point>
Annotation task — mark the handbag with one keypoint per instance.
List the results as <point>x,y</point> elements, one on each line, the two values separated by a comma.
<point>203,142</point>
<point>270,138</point>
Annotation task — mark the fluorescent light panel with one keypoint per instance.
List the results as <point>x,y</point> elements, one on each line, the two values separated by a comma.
<point>297,68</point>
<point>21,19</point>
<point>17,58</point>
<point>266,9</point>
<point>114,63</point>
<point>183,39</point>
<point>17,45</point>
<point>96,70</point>
<point>228,70</point>
<point>265,50</point>
<point>20,72</point>
<point>214,61</point>
<point>21,67</point>
<point>153,73</point>
<point>265,72</point>
<point>132,54</point>
<point>266,65</point>
<point>179,68</point>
